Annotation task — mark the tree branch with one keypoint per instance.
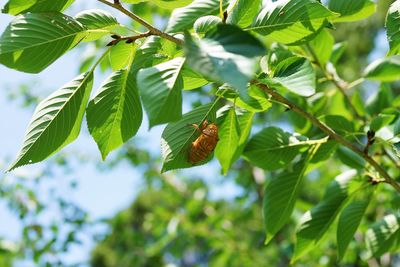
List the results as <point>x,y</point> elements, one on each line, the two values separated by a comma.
<point>331,133</point>
<point>277,97</point>
<point>154,31</point>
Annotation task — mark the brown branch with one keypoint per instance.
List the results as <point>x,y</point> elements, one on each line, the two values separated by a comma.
<point>331,133</point>
<point>276,96</point>
<point>127,39</point>
<point>154,31</point>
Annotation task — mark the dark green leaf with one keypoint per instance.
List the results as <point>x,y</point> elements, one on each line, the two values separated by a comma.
<point>292,21</point>
<point>272,148</point>
<point>54,34</point>
<point>350,219</point>
<point>56,122</point>
<point>315,223</point>
<point>161,91</point>
<point>227,54</point>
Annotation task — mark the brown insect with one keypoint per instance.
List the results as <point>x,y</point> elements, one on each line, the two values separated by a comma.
<point>205,144</point>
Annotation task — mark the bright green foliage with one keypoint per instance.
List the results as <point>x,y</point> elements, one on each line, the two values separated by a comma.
<point>384,70</point>
<point>392,28</point>
<point>206,23</point>
<point>161,90</point>
<point>243,12</point>
<point>229,134</point>
<point>273,148</point>
<point>225,54</point>
<point>292,21</point>
<point>121,55</point>
<point>55,34</point>
<point>15,7</point>
<point>115,113</point>
<point>183,18</point>
<point>56,122</point>
<point>282,82</point>
<point>177,137</point>
<point>317,221</point>
<point>294,74</point>
<point>323,46</point>
<point>352,10</point>
<point>98,21</point>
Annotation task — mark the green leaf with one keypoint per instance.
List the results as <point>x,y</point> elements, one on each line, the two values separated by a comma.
<point>380,121</point>
<point>114,115</point>
<point>15,7</point>
<point>384,69</point>
<point>183,18</point>
<point>226,54</point>
<point>352,10</point>
<point>147,54</point>
<point>121,55</point>
<point>339,123</point>
<point>54,34</point>
<point>178,136</point>
<point>350,219</point>
<point>323,46</point>
<point>56,121</point>
<point>315,223</point>
<point>243,12</point>
<point>393,28</point>
<point>272,148</point>
<point>280,197</point>
<point>191,79</point>
<point>254,100</point>
<point>384,236</point>
<point>229,135</point>
<point>295,74</point>
<point>206,23</point>
<point>170,4</point>
<point>396,129</point>
<point>292,21</point>
<point>161,91</point>
<point>350,158</point>
<point>98,22</point>
<point>324,151</point>
<point>338,50</point>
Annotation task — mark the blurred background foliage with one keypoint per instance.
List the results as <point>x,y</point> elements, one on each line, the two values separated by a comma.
<point>174,220</point>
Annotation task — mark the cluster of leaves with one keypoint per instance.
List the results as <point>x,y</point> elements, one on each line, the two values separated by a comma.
<point>284,45</point>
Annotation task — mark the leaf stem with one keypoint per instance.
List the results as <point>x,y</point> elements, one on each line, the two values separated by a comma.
<point>331,133</point>
<point>153,30</point>
<point>100,59</point>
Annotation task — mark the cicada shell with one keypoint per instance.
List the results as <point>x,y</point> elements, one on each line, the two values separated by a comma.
<point>205,144</point>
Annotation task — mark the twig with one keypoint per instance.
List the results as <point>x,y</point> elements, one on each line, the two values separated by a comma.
<point>331,133</point>
<point>276,96</point>
<point>154,31</point>
<point>127,39</point>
